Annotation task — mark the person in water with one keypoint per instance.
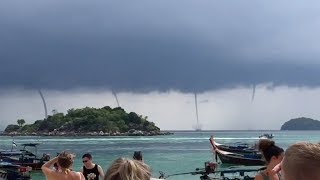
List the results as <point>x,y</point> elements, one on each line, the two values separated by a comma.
<point>127,169</point>
<point>64,172</point>
<point>301,162</point>
<point>90,170</point>
<point>137,155</point>
<point>272,154</point>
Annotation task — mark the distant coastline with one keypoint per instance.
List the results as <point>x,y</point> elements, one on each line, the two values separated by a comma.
<point>301,123</point>
<point>67,134</point>
<point>105,121</point>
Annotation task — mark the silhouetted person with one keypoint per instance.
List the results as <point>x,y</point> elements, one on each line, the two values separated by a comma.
<point>137,155</point>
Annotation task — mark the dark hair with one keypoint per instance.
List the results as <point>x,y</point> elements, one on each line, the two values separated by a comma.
<point>269,149</point>
<point>87,155</point>
<point>137,155</point>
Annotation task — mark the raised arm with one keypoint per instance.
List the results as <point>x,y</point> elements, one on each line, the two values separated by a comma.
<point>275,171</point>
<point>47,167</point>
<point>258,177</point>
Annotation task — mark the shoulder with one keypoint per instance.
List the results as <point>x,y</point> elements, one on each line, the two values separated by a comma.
<point>100,169</point>
<point>98,166</point>
<point>47,171</point>
<point>78,175</point>
<point>83,169</point>
<point>258,177</point>
<point>81,176</point>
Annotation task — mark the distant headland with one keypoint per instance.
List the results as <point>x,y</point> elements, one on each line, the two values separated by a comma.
<point>88,121</point>
<point>301,123</point>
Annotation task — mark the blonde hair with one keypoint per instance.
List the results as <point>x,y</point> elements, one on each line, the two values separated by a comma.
<point>127,169</point>
<point>302,161</point>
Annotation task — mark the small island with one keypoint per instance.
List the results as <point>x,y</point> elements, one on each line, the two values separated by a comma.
<point>88,121</point>
<point>301,123</point>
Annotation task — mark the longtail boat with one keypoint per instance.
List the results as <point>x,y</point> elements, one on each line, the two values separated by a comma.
<point>247,158</point>
<point>240,148</point>
<point>24,157</point>
<point>213,171</point>
<point>9,171</point>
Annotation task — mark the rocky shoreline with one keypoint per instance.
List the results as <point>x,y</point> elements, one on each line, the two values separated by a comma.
<point>57,133</point>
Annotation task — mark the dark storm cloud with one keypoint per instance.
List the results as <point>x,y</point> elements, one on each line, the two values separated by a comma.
<point>158,45</point>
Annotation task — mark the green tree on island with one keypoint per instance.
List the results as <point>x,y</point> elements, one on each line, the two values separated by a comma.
<point>21,122</point>
<point>84,120</point>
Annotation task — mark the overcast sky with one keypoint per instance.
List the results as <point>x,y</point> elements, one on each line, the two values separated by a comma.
<point>162,50</point>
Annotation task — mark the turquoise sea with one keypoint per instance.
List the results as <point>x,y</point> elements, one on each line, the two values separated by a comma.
<point>181,152</point>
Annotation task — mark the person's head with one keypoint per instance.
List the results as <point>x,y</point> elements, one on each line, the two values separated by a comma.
<point>87,158</point>
<point>127,169</point>
<point>137,155</point>
<point>302,162</point>
<point>271,153</point>
<point>65,160</point>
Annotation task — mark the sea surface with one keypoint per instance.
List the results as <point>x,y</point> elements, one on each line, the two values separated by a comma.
<point>177,153</point>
